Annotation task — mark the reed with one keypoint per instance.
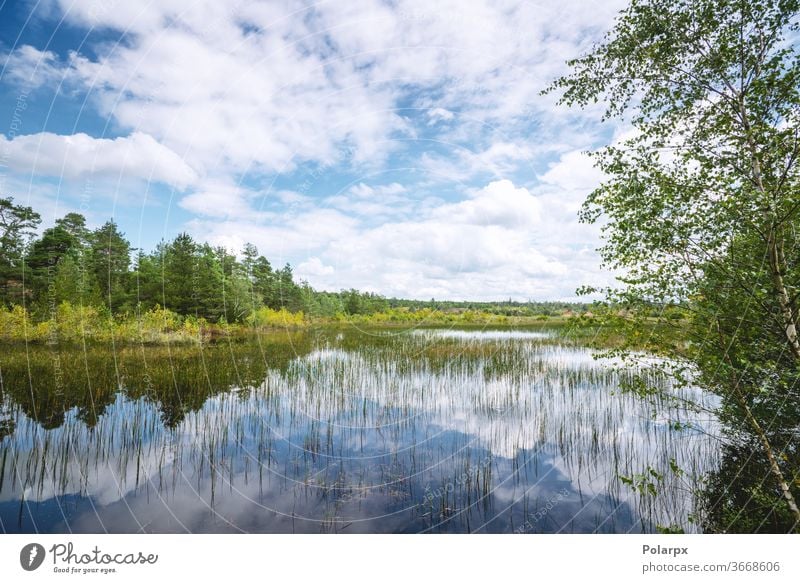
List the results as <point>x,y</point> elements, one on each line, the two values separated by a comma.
<point>347,429</point>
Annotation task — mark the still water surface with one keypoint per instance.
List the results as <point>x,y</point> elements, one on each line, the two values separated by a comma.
<point>340,431</point>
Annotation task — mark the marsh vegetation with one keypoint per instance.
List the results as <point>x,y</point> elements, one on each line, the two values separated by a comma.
<point>347,430</point>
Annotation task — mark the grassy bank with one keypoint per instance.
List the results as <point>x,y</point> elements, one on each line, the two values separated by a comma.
<point>74,324</point>
<point>69,323</point>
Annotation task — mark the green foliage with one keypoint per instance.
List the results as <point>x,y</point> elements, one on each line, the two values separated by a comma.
<point>70,324</point>
<point>739,496</point>
<point>210,288</point>
<point>645,483</point>
<point>17,225</point>
<point>15,323</point>
<point>110,263</point>
<point>669,529</point>
<point>423,316</point>
<point>268,318</point>
<point>71,283</point>
<point>701,207</point>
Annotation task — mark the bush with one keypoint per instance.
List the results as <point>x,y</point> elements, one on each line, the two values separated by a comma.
<point>269,318</point>
<point>15,324</point>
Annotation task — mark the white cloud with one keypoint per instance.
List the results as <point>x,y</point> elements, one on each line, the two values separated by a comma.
<point>30,67</point>
<point>374,202</point>
<point>439,114</point>
<point>221,199</point>
<point>137,156</point>
<point>363,190</point>
<point>499,159</point>
<point>281,84</point>
<point>499,241</point>
<point>573,171</point>
<point>500,203</point>
<point>214,92</point>
<point>313,267</point>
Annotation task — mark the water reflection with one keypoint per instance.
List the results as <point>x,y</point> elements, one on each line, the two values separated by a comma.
<point>483,335</point>
<point>341,431</point>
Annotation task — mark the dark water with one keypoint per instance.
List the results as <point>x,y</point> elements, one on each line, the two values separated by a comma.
<point>339,431</point>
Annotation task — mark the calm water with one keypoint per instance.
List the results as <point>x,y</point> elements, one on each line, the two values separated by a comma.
<point>340,431</point>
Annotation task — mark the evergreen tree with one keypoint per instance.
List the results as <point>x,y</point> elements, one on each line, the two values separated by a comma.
<point>180,275</point>
<point>17,225</point>
<point>110,262</point>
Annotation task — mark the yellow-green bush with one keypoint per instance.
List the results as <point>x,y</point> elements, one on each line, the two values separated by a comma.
<point>269,318</point>
<point>160,325</point>
<point>72,323</point>
<point>15,324</point>
<point>423,316</point>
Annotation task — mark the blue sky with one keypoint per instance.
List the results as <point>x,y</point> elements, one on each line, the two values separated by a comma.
<point>398,147</point>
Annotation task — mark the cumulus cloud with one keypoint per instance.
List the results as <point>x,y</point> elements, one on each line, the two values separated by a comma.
<point>313,267</point>
<point>29,67</point>
<point>75,156</point>
<point>573,171</point>
<point>498,241</point>
<point>500,203</point>
<point>221,199</point>
<point>214,92</point>
<point>281,84</point>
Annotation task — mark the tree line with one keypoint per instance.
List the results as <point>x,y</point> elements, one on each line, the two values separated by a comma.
<point>69,262</point>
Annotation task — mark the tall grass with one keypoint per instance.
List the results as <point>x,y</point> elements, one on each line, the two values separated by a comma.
<point>339,430</point>
<point>158,325</point>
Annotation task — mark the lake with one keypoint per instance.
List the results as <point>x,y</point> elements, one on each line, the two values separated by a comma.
<point>344,430</point>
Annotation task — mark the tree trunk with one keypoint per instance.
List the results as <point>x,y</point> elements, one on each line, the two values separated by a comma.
<point>777,261</point>
<point>773,463</point>
<point>776,264</point>
<point>775,468</point>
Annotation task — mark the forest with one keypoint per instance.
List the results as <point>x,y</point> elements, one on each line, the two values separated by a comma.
<point>72,275</point>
